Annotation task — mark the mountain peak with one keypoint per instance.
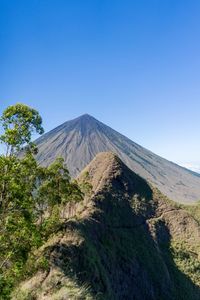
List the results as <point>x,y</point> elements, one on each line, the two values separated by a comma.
<point>86,117</point>
<point>83,122</point>
<point>108,169</point>
<point>106,163</point>
<point>78,141</point>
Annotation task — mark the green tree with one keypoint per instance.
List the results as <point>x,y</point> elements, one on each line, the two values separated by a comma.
<point>19,123</point>
<point>32,197</point>
<point>18,180</point>
<point>55,190</point>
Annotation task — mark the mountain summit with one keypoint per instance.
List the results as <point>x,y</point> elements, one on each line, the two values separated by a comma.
<point>79,140</point>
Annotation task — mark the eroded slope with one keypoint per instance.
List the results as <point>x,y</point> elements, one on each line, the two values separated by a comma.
<point>125,241</point>
<point>78,141</point>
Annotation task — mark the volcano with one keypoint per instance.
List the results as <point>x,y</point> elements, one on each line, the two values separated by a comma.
<point>79,140</point>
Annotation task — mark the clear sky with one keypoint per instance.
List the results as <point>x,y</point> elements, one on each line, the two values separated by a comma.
<point>134,65</point>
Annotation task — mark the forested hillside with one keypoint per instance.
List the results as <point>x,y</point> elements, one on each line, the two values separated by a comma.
<point>31,197</point>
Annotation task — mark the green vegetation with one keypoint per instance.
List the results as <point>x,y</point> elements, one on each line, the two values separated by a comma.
<point>131,242</point>
<point>31,196</point>
<point>194,210</point>
<point>187,260</point>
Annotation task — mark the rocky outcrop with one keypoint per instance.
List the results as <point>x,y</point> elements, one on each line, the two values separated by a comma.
<point>125,241</point>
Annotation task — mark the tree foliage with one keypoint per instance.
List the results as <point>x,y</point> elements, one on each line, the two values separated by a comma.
<point>31,196</point>
<point>19,122</point>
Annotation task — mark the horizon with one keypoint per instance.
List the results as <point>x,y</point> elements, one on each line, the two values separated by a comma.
<point>133,66</point>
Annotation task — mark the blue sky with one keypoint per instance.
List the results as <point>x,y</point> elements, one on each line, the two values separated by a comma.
<point>134,65</point>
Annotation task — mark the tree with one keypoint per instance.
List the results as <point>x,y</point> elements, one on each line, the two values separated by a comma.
<point>32,197</point>
<point>19,123</point>
<point>18,180</point>
<point>54,191</point>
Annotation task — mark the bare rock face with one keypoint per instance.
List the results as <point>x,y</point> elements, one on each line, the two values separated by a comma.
<point>125,241</point>
<point>79,140</point>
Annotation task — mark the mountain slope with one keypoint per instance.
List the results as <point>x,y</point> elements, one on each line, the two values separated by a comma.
<point>79,140</point>
<point>125,241</point>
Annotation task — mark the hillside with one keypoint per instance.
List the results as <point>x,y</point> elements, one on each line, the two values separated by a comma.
<point>124,241</point>
<point>78,141</point>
